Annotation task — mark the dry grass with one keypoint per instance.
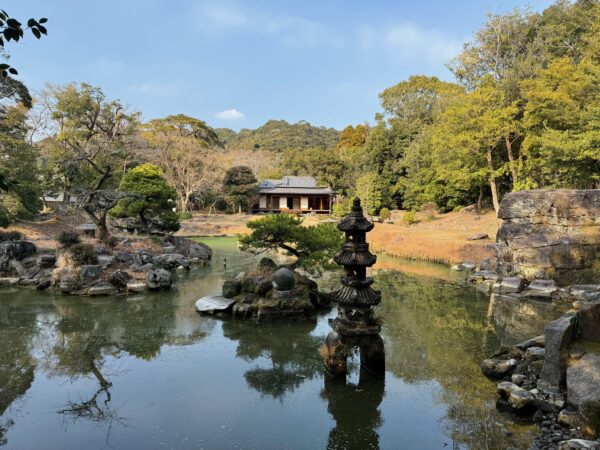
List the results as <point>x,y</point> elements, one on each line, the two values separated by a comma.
<point>443,239</point>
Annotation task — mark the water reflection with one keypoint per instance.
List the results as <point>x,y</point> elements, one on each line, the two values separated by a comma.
<point>150,362</point>
<point>355,409</point>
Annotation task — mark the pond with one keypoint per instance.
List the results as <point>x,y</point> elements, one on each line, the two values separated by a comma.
<point>148,372</point>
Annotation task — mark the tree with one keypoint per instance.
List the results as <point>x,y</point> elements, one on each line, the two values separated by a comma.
<point>184,147</point>
<point>20,189</point>
<point>370,190</point>
<point>312,246</point>
<point>239,186</point>
<point>90,139</point>
<point>149,198</point>
<point>12,30</point>
<point>327,167</point>
<point>467,136</point>
<point>562,122</point>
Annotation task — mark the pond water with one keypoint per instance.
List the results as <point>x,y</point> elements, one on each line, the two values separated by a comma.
<point>148,372</point>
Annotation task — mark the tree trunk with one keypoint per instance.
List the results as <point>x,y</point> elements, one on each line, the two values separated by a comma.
<point>480,198</point>
<point>511,160</point>
<point>103,233</point>
<point>492,181</point>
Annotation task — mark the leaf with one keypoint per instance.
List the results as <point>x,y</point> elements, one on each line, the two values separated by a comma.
<point>4,73</point>
<point>13,71</point>
<point>36,33</point>
<point>7,34</point>
<point>13,23</point>
<point>43,20</point>
<point>4,66</point>
<point>42,29</point>
<point>31,22</point>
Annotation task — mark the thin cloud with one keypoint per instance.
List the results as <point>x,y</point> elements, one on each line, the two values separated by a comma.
<point>158,88</point>
<point>230,114</point>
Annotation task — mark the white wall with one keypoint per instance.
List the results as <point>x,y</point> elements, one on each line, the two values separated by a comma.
<point>282,202</point>
<point>262,202</point>
<point>303,202</point>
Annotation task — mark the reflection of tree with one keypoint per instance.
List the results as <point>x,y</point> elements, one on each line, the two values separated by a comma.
<point>355,409</point>
<point>291,350</point>
<point>76,339</point>
<point>441,332</point>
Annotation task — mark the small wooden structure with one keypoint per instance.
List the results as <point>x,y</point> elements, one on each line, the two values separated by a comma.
<point>294,195</point>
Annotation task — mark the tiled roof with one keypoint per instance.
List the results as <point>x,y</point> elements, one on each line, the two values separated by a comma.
<point>292,185</point>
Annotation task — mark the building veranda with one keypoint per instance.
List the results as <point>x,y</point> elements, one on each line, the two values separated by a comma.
<point>293,194</point>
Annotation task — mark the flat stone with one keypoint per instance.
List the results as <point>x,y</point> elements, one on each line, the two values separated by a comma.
<point>89,273</point>
<point>505,388</point>
<point>579,444</point>
<point>538,341</point>
<point>213,303</point>
<point>478,237</point>
<point>509,285</point>
<point>46,261</point>
<point>520,399</point>
<point>9,281</point>
<point>535,353</point>
<point>102,288</point>
<point>558,337</point>
<point>136,286</point>
<point>518,379</point>
<point>106,260</point>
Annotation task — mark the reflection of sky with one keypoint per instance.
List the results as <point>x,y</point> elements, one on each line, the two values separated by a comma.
<point>201,389</point>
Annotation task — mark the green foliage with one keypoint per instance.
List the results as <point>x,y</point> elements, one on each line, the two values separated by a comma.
<point>278,135</point>
<point>409,217</point>
<point>327,167</point>
<point>68,238</point>
<point>239,186</point>
<point>83,254</point>
<point>148,198</point>
<point>313,246</point>
<point>20,189</point>
<point>342,207</point>
<point>384,214</point>
<point>370,188</point>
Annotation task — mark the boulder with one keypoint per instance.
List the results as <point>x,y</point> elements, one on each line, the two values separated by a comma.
<point>189,248</point>
<point>119,278</point>
<point>88,274</point>
<point>15,250</point>
<point>170,261</point>
<point>102,288</point>
<point>558,337</point>
<point>68,281</point>
<point>283,279</point>
<point>521,400</point>
<point>159,279</point>
<point>231,288</point>
<point>497,368</point>
<point>262,285</point>
<point>505,388</point>
<point>583,391</point>
<point>46,261</point>
<point>535,353</point>
<point>106,260</point>
<point>541,289</point>
<point>588,321</point>
<point>123,257</point>
<point>550,234</point>
<point>9,281</point>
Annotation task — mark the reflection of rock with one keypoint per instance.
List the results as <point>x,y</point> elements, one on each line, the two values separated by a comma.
<point>517,319</point>
<point>583,383</point>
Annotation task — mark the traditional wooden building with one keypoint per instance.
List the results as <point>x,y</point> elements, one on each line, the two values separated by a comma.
<point>293,194</point>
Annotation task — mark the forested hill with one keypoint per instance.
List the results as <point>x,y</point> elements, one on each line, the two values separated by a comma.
<point>278,135</point>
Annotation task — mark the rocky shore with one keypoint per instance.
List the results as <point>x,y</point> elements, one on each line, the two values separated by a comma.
<point>99,270</point>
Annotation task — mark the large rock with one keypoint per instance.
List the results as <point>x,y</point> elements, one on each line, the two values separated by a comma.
<point>159,279</point>
<point>89,274</point>
<point>583,391</point>
<point>283,279</point>
<point>497,368</point>
<point>579,444</point>
<point>509,285</point>
<point>588,321</point>
<point>170,261</point>
<point>189,248</point>
<point>558,337</point>
<point>102,288</point>
<point>15,250</point>
<point>550,234</point>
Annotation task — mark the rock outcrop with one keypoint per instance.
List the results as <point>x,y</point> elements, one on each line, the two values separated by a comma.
<point>550,234</point>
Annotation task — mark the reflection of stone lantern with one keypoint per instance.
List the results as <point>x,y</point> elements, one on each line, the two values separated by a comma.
<point>355,325</point>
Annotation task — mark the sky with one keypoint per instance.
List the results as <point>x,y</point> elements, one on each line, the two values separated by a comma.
<point>237,64</point>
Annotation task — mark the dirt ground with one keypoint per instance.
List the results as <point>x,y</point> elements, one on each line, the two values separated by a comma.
<point>442,239</point>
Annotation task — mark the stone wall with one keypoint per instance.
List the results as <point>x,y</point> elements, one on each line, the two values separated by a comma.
<point>551,234</point>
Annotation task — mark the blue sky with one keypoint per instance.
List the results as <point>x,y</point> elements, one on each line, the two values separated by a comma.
<point>239,63</point>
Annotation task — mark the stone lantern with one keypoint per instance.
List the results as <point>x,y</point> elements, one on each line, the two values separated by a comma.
<point>355,325</point>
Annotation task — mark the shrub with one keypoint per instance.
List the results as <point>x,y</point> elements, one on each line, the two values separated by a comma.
<point>83,254</point>
<point>430,209</point>
<point>385,214</point>
<point>10,236</point>
<point>409,217</point>
<point>185,215</point>
<point>342,207</point>
<point>68,238</point>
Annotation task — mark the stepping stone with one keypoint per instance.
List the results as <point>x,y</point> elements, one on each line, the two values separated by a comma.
<point>214,303</point>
